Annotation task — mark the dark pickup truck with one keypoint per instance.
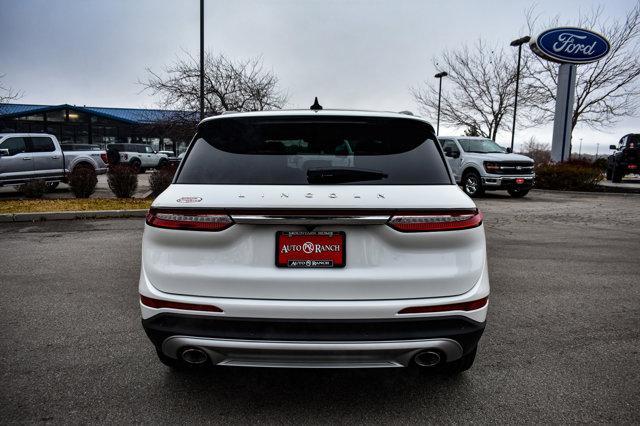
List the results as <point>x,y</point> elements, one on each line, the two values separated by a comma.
<point>625,159</point>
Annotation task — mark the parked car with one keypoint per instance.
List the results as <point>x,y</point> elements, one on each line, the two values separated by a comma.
<point>249,259</point>
<point>30,156</point>
<point>625,159</point>
<point>479,164</point>
<point>172,157</point>
<point>139,156</point>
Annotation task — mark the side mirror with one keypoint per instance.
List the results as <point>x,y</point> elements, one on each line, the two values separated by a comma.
<point>448,151</point>
<point>509,150</point>
<point>4,152</point>
<point>612,147</point>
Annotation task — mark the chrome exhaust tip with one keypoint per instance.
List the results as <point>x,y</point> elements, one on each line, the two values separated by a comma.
<point>194,356</point>
<point>427,358</point>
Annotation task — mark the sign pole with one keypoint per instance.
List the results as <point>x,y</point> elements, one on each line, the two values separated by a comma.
<point>561,144</point>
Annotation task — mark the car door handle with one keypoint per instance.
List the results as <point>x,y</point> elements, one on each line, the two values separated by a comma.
<point>55,157</point>
<point>26,158</point>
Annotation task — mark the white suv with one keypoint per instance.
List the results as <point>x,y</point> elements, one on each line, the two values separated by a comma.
<point>139,156</point>
<point>314,239</point>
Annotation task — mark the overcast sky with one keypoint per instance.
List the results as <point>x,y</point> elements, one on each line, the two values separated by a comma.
<point>349,53</point>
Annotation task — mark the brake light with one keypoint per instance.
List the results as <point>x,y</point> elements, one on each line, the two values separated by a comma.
<point>157,304</point>
<point>632,166</point>
<point>192,220</point>
<point>104,158</point>
<point>466,306</point>
<point>436,221</point>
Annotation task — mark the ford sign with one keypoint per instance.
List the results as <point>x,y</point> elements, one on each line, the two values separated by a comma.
<point>570,45</point>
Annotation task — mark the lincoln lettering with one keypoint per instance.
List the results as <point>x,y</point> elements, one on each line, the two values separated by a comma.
<point>567,44</point>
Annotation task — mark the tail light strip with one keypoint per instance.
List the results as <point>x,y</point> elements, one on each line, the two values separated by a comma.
<point>466,306</point>
<point>203,220</point>
<point>436,221</point>
<point>188,220</point>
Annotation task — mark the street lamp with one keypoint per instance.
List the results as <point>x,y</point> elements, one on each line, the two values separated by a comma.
<point>439,77</point>
<point>519,42</point>
<point>580,149</point>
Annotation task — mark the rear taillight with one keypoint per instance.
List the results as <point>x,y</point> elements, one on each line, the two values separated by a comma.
<point>436,221</point>
<point>158,304</point>
<point>466,306</point>
<point>192,220</point>
<point>104,158</point>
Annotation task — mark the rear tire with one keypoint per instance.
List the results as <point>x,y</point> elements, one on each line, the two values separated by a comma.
<point>472,184</point>
<point>616,175</point>
<point>518,193</point>
<point>135,165</point>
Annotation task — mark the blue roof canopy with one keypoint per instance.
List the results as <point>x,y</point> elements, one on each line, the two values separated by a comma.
<point>127,115</point>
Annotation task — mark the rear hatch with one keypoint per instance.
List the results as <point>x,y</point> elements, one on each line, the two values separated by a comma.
<point>332,182</point>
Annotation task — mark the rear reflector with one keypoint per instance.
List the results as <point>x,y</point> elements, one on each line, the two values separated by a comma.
<point>519,181</point>
<point>188,220</point>
<point>104,158</point>
<point>466,306</point>
<point>157,304</point>
<point>632,166</point>
<point>436,221</point>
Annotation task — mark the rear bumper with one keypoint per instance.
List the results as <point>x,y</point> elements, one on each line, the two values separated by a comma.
<point>313,343</point>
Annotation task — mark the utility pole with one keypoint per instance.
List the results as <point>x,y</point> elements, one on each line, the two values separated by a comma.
<point>597,149</point>
<point>439,77</point>
<point>580,149</point>
<point>201,59</point>
<point>519,42</point>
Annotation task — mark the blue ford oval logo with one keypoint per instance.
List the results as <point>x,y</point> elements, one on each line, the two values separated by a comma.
<point>570,45</point>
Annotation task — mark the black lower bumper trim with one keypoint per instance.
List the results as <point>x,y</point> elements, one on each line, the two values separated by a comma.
<point>461,329</point>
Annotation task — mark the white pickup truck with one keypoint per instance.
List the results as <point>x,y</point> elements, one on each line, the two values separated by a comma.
<point>479,164</point>
<point>30,156</point>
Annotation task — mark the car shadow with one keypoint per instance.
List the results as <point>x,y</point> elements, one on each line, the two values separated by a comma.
<point>264,393</point>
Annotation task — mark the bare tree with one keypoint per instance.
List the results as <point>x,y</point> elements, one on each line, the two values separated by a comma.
<point>229,85</point>
<point>7,94</point>
<point>607,90</point>
<point>479,91</point>
<point>540,152</point>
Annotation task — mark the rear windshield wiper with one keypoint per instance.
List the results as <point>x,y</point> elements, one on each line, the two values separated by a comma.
<point>328,176</point>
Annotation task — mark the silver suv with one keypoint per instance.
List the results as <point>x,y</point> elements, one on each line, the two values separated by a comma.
<point>479,164</point>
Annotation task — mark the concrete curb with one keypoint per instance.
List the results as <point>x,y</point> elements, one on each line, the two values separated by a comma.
<point>95,214</point>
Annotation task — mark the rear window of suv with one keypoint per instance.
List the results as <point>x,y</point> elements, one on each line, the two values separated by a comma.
<point>308,150</point>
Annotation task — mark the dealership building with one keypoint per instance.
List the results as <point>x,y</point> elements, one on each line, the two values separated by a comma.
<point>162,129</point>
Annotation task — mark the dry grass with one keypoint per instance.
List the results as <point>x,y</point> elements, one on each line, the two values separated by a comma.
<point>73,204</point>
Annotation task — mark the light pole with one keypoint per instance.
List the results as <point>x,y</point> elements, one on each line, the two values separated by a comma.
<point>580,149</point>
<point>201,59</point>
<point>439,77</point>
<point>519,42</point>
<point>597,149</point>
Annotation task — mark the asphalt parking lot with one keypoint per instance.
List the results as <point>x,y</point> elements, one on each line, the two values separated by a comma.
<point>562,342</point>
